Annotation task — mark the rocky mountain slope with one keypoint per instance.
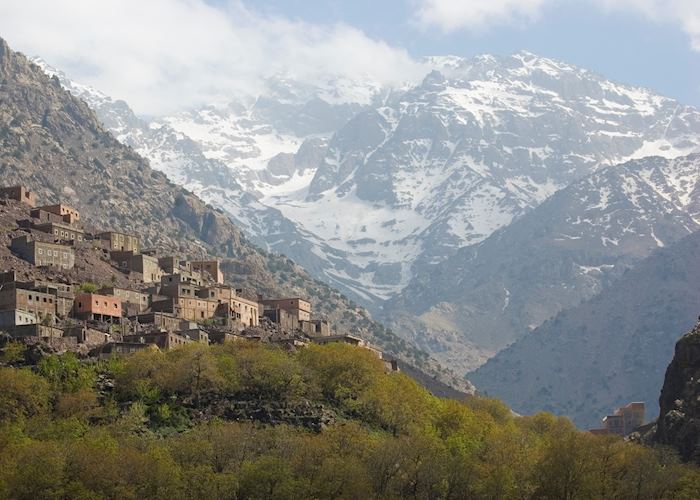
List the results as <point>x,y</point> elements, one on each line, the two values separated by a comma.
<point>53,143</point>
<point>565,251</point>
<point>678,424</point>
<point>609,350</point>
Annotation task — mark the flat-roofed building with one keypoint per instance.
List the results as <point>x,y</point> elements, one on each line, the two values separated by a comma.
<point>16,317</point>
<point>191,278</point>
<point>164,340</point>
<point>69,214</point>
<point>162,320</point>
<point>172,264</point>
<point>118,349</point>
<point>138,299</point>
<point>299,307</point>
<point>247,311</point>
<point>61,231</point>
<point>624,421</point>
<point>42,216</point>
<point>348,339</point>
<point>97,307</point>
<point>42,305</point>
<point>18,193</point>
<point>40,253</point>
<point>122,242</point>
<point>210,267</point>
<point>145,265</point>
<point>63,294</point>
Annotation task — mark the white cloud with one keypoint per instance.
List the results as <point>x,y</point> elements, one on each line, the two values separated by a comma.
<point>452,15</point>
<point>163,55</point>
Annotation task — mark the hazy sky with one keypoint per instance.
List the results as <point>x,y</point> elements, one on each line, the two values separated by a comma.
<point>163,55</point>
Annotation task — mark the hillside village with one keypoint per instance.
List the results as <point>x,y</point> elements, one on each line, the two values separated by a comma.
<point>98,292</point>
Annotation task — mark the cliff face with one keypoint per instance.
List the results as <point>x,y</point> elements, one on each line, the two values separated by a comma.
<point>679,419</point>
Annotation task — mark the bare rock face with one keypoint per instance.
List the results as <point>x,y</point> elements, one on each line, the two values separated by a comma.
<point>679,420</point>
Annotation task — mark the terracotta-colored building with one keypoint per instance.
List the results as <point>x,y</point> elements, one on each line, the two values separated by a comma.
<point>97,307</point>
<point>138,299</point>
<point>624,421</point>
<point>18,193</point>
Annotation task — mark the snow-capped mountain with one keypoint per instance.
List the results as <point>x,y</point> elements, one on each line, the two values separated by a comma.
<point>568,249</point>
<point>367,186</point>
<point>476,144</point>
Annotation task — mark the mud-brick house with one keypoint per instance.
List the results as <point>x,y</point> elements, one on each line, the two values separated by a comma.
<point>42,305</point>
<point>97,307</point>
<point>85,335</point>
<point>61,232</point>
<point>210,267</point>
<point>282,317</point>
<point>18,193</point>
<point>116,241</point>
<point>41,253</point>
<point>247,311</point>
<point>116,349</point>
<point>16,317</point>
<point>160,320</point>
<point>130,262</point>
<point>68,213</point>
<point>348,339</point>
<point>299,307</point>
<point>40,216</point>
<point>133,301</point>
<point>315,328</point>
<point>179,302</point>
<point>63,294</point>
<point>174,265</point>
<point>164,340</point>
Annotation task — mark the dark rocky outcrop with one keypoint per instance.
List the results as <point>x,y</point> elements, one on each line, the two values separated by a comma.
<point>678,425</point>
<point>303,413</point>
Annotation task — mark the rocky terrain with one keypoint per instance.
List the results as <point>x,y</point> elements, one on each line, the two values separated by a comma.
<point>678,424</point>
<point>568,249</point>
<point>53,143</point>
<point>607,351</point>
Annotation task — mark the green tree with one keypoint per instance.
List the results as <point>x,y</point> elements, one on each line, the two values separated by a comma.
<point>22,394</point>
